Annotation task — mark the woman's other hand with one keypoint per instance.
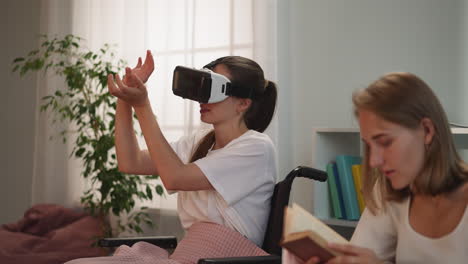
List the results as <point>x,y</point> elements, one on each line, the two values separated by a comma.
<point>142,70</point>
<point>135,96</point>
<point>351,254</point>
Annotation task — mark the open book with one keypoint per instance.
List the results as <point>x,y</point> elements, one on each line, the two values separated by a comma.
<point>306,236</point>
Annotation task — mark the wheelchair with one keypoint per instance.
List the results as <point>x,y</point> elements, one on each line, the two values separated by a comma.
<point>274,230</point>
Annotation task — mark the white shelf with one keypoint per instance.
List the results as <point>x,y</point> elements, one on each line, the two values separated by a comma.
<point>327,143</point>
<point>459,130</point>
<point>339,222</point>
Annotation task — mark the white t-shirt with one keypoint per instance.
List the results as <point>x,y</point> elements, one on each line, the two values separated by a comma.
<point>393,239</point>
<point>243,174</point>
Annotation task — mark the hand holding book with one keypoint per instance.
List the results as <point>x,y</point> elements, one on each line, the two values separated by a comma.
<point>306,236</point>
<point>312,241</point>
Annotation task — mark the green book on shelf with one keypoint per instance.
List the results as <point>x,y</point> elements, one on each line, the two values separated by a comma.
<point>333,191</point>
<point>344,163</point>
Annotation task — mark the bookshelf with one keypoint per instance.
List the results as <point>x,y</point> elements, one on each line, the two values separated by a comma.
<point>327,143</point>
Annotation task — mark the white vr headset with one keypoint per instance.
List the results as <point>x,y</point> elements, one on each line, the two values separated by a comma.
<point>205,86</point>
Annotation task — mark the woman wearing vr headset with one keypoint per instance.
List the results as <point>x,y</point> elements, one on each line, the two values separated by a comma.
<point>225,177</point>
<point>415,183</point>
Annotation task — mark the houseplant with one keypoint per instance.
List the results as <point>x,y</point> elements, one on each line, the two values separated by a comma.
<point>85,104</point>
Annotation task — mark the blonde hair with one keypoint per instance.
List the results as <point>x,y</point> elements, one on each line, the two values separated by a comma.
<point>405,99</point>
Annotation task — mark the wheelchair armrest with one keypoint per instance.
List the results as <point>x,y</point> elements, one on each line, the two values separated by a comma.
<point>273,259</point>
<point>167,242</point>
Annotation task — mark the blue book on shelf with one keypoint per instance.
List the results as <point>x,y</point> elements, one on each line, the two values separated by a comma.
<point>340,192</point>
<point>344,163</point>
<point>333,191</point>
<point>334,188</point>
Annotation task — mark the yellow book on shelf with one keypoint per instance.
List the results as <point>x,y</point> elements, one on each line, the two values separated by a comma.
<point>357,176</point>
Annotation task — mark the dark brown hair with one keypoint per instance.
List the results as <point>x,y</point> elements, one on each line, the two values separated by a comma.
<point>245,74</point>
<point>405,99</point>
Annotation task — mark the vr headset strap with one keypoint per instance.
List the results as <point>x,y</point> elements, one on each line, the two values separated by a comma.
<point>233,90</point>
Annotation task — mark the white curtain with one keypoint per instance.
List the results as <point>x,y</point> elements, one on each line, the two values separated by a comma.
<point>178,32</point>
<point>56,177</point>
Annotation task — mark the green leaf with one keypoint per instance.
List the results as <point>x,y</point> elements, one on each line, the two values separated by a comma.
<point>149,193</point>
<point>149,222</point>
<point>159,190</point>
<point>18,59</point>
<point>138,229</point>
<point>33,52</point>
<point>80,152</point>
<point>88,55</point>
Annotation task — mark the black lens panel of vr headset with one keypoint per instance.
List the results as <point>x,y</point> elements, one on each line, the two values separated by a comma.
<point>204,86</point>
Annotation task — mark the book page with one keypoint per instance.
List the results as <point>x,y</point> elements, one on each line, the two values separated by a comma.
<point>301,220</point>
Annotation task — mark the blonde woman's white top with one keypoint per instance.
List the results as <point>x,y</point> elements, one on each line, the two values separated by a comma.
<point>394,240</point>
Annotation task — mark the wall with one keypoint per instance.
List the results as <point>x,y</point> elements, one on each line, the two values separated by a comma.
<point>19,29</point>
<point>332,47</point>
<point>463,98</point>
<point>285,91</point>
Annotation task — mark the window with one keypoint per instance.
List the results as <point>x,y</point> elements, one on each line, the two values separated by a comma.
<point>190,33</point>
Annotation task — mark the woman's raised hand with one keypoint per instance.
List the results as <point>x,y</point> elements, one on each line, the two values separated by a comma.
<point>351,254</point>
<point>142,70</point>
<point>135,95</point>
